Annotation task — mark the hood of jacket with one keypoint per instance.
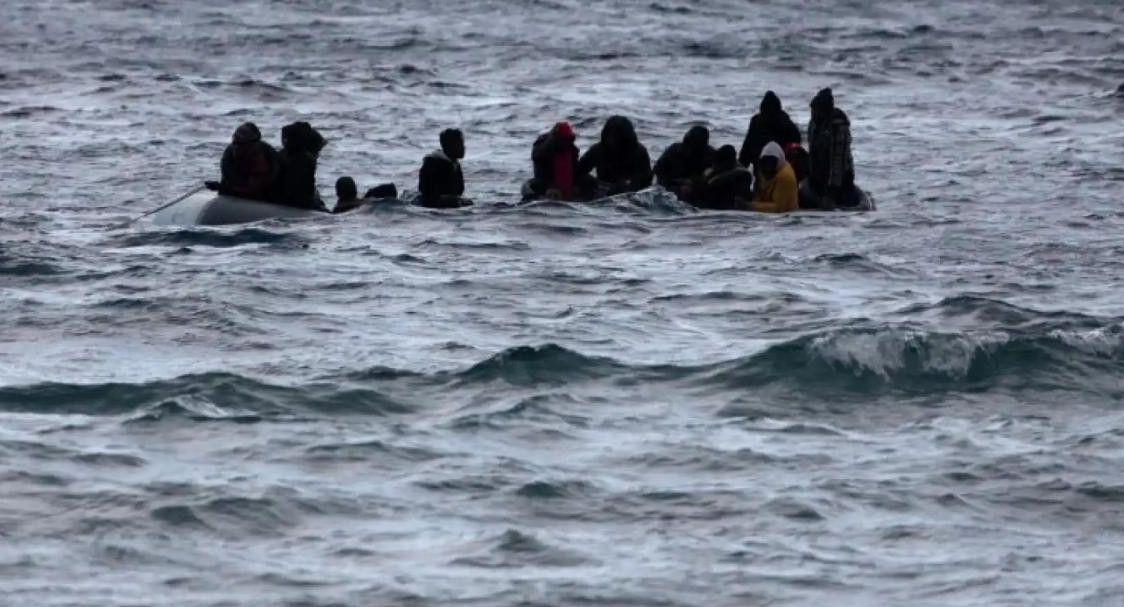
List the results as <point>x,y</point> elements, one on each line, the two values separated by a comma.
<point>697,139</point>
<point>623,129</point>
<point>771,104</point>
<point>773,150</point>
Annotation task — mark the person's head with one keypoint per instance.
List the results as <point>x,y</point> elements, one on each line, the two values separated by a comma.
<point>246,139</point>
<point>301,137</point>
<point>823,105</point>
<point>618,133</point>
<point>771,104</point>
<point>563,132</point>
<point>771,160</point>
<point>697,138</point>
<point>452,143</point>
<point>346,190</point>
<point>725,159</point>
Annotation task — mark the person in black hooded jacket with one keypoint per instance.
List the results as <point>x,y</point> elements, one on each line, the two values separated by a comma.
<point>441,180</point>
<point>682,166</point>
<point>772,123</point>
<point>296,185</point>
<point>249,166</point>
<point>621,163</point>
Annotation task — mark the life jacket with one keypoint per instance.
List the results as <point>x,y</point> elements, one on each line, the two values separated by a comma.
<point>564,172</point>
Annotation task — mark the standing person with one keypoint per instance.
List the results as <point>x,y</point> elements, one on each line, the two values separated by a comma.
<point>555,159</point>
<point>728,185</point>
<point>441,181</point>
<point>296,186</point>
<point>777,191</point>
<point>772,123</point>
<point>249,165</point>
<point>682,166</point>
<point>620,162</point>
<point>831,174</point>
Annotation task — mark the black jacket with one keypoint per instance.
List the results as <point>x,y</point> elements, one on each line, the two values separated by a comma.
<point>440,177</point>
<point>679,163</point>
<point>542,155</point>
<point>296,184</point>
<point>771,124</point>
<point>251,176</point>
<point>722,189</point>
<point>629,165</point>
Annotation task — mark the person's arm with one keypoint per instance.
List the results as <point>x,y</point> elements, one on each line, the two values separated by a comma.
<point>840,146</point>
<point>642,172</point>
<point>589,160</point>
<point>745,156</point>
<point>663,167</point>
<point>542,148</point>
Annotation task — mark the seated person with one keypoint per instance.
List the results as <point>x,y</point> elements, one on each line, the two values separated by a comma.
<point>249,166</point>
<point>296,186</point>
<point>620,162</point>
<point>728,185</point>
<point>682,166</point>
<point>555,159</point>
<point>776,183</point>
<point>441,181</point>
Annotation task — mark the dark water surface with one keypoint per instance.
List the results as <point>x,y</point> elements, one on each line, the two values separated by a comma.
<point>626,404</point>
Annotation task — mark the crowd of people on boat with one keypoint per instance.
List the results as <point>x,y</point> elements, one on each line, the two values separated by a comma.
<point>773,172</point>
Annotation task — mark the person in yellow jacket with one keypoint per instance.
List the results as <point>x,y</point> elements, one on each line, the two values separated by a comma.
<point>777,191</point>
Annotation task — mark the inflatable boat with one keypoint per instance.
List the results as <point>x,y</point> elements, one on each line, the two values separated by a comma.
<point>205,208</point>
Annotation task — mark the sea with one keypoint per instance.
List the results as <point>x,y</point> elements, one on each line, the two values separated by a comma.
<point>628,403</point>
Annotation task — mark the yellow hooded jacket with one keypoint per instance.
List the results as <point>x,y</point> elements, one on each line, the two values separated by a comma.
<point>779,194</point>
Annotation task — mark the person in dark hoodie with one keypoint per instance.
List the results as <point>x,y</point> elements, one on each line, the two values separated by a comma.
<point>555,159</point>
<point>772,123</point>
<point>831,170</point>
<point>441,181</point>
<point>620,162</point>
<point>728,185</point>
<point>249,166</point>
<point>296,186</point>
<point>682,166</point>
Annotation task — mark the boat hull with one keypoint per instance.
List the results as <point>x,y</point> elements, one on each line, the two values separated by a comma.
<point>210,209</point>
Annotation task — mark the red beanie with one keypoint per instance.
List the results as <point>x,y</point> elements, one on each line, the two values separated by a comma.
<point>564,130</point>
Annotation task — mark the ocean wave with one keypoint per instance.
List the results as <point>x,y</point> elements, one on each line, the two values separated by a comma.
<point>209,397</point>
<point>857,361</point>
<point>211,238</point>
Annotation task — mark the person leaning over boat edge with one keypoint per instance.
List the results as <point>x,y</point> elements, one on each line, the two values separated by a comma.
<point>620,161</point>
<point>249,166</point>
<point>441,179</point>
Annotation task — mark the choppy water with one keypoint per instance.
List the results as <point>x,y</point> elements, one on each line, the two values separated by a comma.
<point>631,404</point>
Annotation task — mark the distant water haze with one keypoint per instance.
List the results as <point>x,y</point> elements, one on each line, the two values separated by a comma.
<point>633,403</point>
